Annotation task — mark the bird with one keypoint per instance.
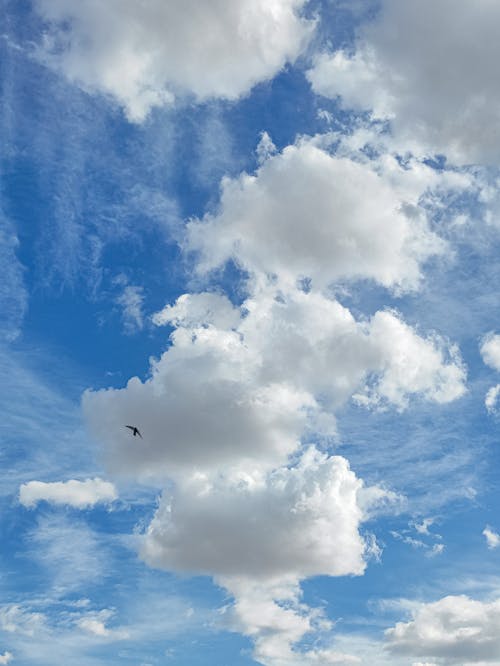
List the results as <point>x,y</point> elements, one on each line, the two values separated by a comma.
<point>135,431</point>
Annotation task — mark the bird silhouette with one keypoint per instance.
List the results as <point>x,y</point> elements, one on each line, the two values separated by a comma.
<point>135,431</point>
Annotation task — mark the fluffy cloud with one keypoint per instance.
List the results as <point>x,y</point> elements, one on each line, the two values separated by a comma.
<point>455,629</point>
<point>147,54</point>
<point>259,536</point>
<point>202,408</point>
<point>6,658</point>
<point>301,216</point>
<point>442,97</point>
<point>276,619</point>
<point>297,521</point>
<point>245,396</point>
<point>79,494</point>
<point>490,350</point>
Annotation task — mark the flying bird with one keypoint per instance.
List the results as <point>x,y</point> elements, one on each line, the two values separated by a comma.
<point>135,431</point>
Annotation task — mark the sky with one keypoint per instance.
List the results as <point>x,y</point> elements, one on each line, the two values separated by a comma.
<point>265,233</point>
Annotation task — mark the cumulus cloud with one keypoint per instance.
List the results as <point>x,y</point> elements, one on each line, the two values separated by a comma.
<point>456,629</point>
<point>492,538</point>
<point>149,54</point>
<point>259,536</point>
<point>301,216</point>
<point>442,97</point>
<point>6,658</point>
<point>274,616</point>
<point>234,412</point>
<point>490,350</point>
<point>298,521</point>
<point>79,494</point>
<point>247,395</point>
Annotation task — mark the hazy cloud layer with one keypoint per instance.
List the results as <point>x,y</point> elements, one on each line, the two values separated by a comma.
<point>148,54</point>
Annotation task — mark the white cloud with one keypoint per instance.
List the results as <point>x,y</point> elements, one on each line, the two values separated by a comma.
<point>6,658</point>
<point>94,623</point>
<point>79,494</point>
<point>131,300</point>
<point>442,97</point>
<point>301,216</point>
<point>490,350</point>
<point>195,310</point>
<point>298,521</point>
<point>492,538</point>
<point>15,619</point>
<point>245,396</point>
<point>276,620</point>
<point>148,54</point>
<point>455,629</point>
<point>413,365</point>
<point>492,398</point>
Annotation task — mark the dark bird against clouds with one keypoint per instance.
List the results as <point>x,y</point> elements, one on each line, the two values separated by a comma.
<point>135,431</point>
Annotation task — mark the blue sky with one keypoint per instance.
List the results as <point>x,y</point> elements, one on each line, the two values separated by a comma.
<point>265,233</point>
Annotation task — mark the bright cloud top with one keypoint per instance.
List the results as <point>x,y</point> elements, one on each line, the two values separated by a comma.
<point>302,216</point>
<point>455,629</point>
<point>442,97</point>
<point>147,54</point>
<point>79,494</point>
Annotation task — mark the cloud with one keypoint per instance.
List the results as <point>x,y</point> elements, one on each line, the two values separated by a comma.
<point>298,521</point>
<point>95,624</point>
<point>492,398</point>
<point>274,616</point>
<point>70,554</point>
<point>151,54</point>
<point>131,300</point>
<point>245,396</point>
<point>492,538</point>
<point>455,629</point>
<point>15,619</point>
<point>490,350</point>
<point>79,494</point>
<point>301,216</point>
<point>6,658</point>
<point>447,108</point>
